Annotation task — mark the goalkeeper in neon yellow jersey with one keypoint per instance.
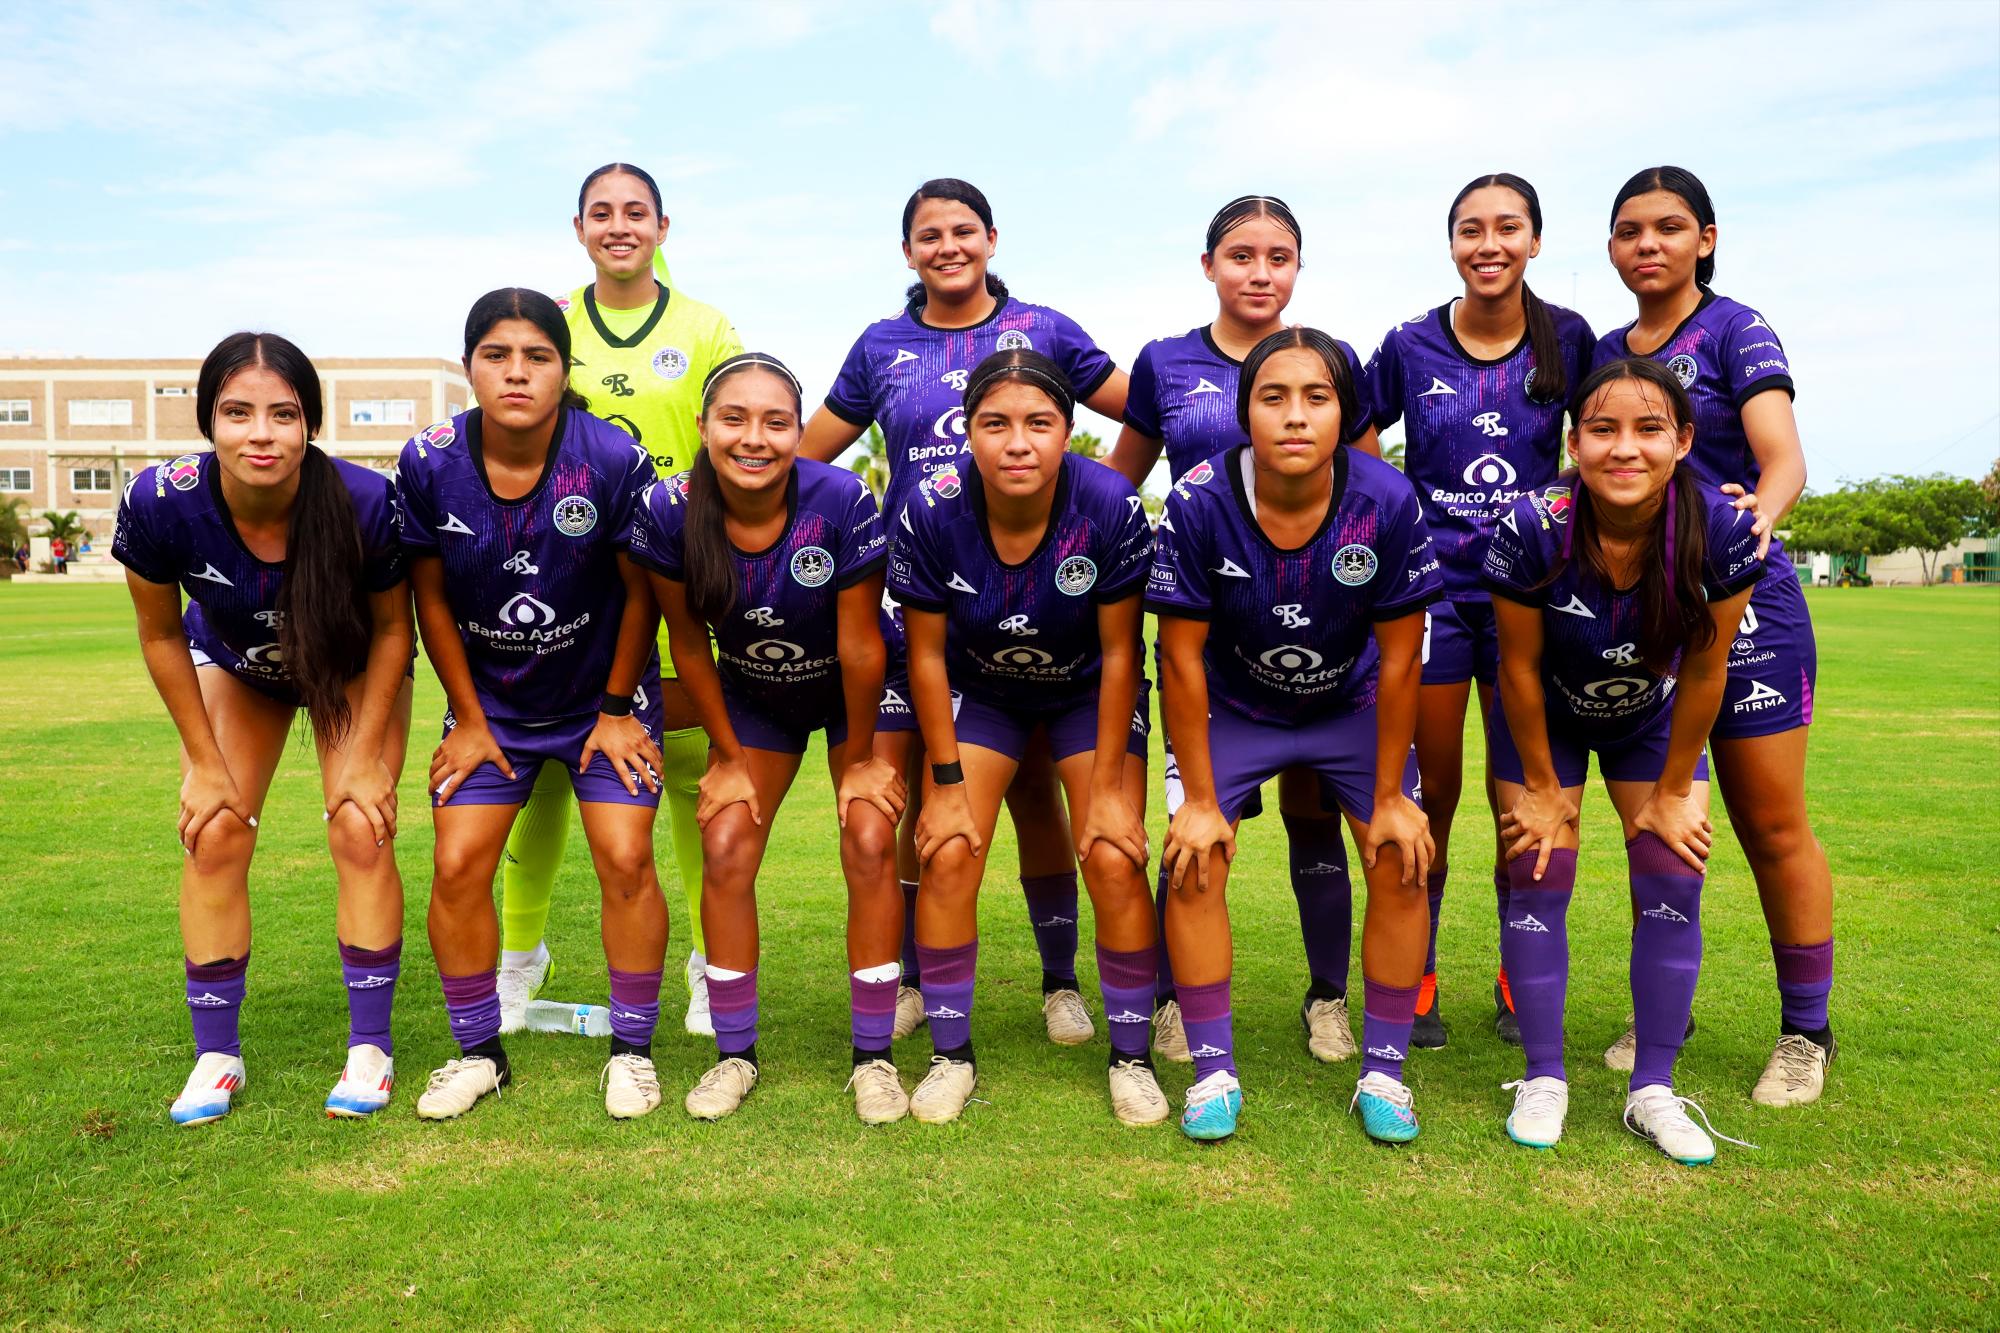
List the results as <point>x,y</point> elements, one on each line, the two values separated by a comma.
<point>639,352</point>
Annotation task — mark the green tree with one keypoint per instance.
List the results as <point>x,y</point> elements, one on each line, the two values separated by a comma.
<point>1873,518</point>
<point>1083,442</point>
<point>1392,454</point>
<point>68,527</point>
<point>13,526</point>
<point>872,464</point>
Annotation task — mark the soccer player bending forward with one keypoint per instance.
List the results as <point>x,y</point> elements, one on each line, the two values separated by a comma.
<point>781,558</point>
<point>1019,569</point>
<point>1290,583</point>
<point>517,518</point>
<point>296,598</point>
<point>1617,591</point>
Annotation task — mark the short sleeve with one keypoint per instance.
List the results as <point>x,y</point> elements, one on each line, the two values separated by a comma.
<point>1755,359</point>
<point>864,542</point>
<point>1384,383</point>
<point>1514,567</point>
<point>1732,563</point>
<point>1178,582</point>
<point>727,343</point>
<point>419,507</point>
<point>138,544</point>
<point>914,558</point>
<point>1142,408</point>
<point>625,489</point>
<point>852,397</point>
<point>1350,431</point>
<point>383,562</point>
<point>1581,351</point>
<point>1409,579</point>
<point>658,521</point>
<point>1126,557</point>
<point>1083,362</point>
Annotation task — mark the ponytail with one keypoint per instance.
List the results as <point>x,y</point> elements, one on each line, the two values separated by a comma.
<point>710,565</point>
<point>324,621</point>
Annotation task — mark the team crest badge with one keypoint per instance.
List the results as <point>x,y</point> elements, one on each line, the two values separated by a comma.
<point>1528,383</point>
<point>1354,564</point>
<point>183,472</point>
<point>439,435</point>
<point>1559,501</point>
<point>1684,369</point>
<point>812,566</point>
<point>1076,576</point>
<point>575,515</point>
<point>945,482</point>
<point>670,363</point>
<point>1012,339</point>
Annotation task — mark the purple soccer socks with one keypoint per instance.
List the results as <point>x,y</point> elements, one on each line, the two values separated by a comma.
<point>1387,1013</point>
<point>1325,896</point>
<point>371,976</point>
<point>214,999</point>
<point>1666,955</point>
<point>635,1009</point>
<point>1126,979</point>
<point>1534,948</point>
<point>948,978</point>
<point>1805,979</point>
<point>473,1005</point>
<point>1210,1035</point>
<point>1052,912</point>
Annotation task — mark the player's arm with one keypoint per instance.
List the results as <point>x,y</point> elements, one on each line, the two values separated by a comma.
<point>208,788</point>
<point>864,660</point>
<point>1108,399</point>
<point>727,780</point>
<point>1773,432</point>
<point>1197,830</point>
<point>1534,821</point>
<point>364,778</point>
<point>1110,816</point>
<point>470,741</point>
<point>827,434</point>
<point>619,736</point>
<point>1670,811</point>
<point>1135,454</point>
<point>947,811</point>
<point>1398,821</point>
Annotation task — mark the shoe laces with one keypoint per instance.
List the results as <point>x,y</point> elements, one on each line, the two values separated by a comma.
<point>1069,1002</point>
<point>872,1074</point>
<point>1378,1084</point>
<point>1323,1011</point>
<point>1537,1098</point>
<point>1663,1104</point>
<point>733,1065</point>
<point>1797,1058</point>
<point>1219,1084</point>
<point>443,1078</point>
<point>643,1073</point>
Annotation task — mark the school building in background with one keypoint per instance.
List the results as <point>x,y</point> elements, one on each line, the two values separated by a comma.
<point>73,431</point>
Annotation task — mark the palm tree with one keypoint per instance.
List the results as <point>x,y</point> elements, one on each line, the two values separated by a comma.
<point>13,526</point>
<point>872,465</point>
<point>1090,446</point>
<point>66,527</point>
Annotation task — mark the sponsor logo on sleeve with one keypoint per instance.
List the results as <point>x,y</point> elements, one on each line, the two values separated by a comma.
<point>438,435</point>
<point>183,472</point>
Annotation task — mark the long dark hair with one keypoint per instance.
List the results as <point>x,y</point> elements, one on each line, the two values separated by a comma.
<point>958,192</point>
<point>1305,339</point>
<point>708,561</point>
<point>1551,375</point>
<point>537,309</point>
<point>324,622</point>
<point>1673,604</point>
<point>1024,366</point>
<point>639,174</point>
<point>1677,181</point>
<point>1244,207</point>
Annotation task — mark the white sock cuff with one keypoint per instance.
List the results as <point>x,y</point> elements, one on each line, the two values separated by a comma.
<point>880,972</point>
<point>715,973</point>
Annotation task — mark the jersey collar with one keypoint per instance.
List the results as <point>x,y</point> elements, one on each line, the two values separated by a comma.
<point>639,334</point>
<point>475,447</point>
<point>1708,298</point>
<point>975,490</point>
<point>1235,471</point>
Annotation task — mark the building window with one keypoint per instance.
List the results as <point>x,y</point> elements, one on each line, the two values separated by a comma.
<point>173,391</point>
<point>17,412</point>
<point>90,480</point>
<point>16,479</point>
<point>382,412</point>
<point>453,409</point>
<point>100,411</point>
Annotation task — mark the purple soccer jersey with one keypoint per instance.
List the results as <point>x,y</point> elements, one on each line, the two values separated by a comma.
<point>533,583</point>
<point>909,379</point>
<point>780,644</point>
<point>173,527</point>
<point>1291,633</point>
<point>1591,670</point>
<point>1021,637</point>
<point>1475,440</point>
<point>1184,395</point>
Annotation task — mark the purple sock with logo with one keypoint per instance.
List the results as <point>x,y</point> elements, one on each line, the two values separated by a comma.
<point>871,1008</point>
<point>371,976</point>
<point>1502,886</point>
<point>1805,979</point>
<point>635,1006</point>
<point>912,973</point>
<point>1534,948</point>
<point>1163,981</point>
<point>1666,956</point>
<point>732,1007</point>
<point>214,998</point>
<point>1126,979</point>
<point>1434,893</point>
<point>1387,1013</point>
<point>1052,912</point>
<point>1211,1036</point>
<point>948,975</point>
<point>473,1005</point>
<point>1324,893</point>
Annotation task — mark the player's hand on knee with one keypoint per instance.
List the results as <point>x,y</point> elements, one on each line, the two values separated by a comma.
<point>947,814</point>
<point>876,782</point>
<point>1111,819</point>
<point>1401,823</point>
<point>726,782</point>
<point>1535,822</point>
<point>1196,831</point>
<point>206,792</point>
<point>372,789</point>
<point>1678,820</point>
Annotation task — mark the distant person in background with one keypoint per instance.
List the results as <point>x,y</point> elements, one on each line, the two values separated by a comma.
<point>59,555</point>
<point>296,598</point>
<point>83,548</point>
<point>640,352</point>
<point>21,557</point>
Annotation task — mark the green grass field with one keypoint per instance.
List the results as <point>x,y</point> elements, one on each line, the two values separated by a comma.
<point>1877,1207</point>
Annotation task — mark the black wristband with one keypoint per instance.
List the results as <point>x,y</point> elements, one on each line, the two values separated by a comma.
<point>947,775</point>
<point>615,705</point>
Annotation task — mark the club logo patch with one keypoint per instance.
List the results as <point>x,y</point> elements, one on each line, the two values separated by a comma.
<point>1354,564</point>
<point>1012,339</point>
<point>438,435</point>
<point>575,515</point>
<point>812,566</point>
<point>183,472</point>
<point>1076,576</point>
<point>1684,369</point>
<point>670,363</point>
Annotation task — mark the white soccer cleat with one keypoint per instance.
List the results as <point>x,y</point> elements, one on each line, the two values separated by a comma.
<point>1796,1072</point>
<point>1654,1112</point>
<point>879,1098</point>
<point>1622,1054</point>
<point>1170,1034</point>
<point>698,1023</point>
<point>1540,1105</point>
<point>1067,1019</point>
<point>944,1092</point>
<point>909,1012</point>
<point>1329,1034</point>
<point>205,1097</point>
<point>454,1089</point>
<point>631,1086</point>
<point>364,1083</point>
<point>722,1089</point>
<point>519,985</point>
<point>1136,1098</point>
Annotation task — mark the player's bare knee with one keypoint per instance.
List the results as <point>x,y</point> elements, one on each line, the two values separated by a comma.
<point>351,839</point>
<point>1110,874</point>
<point>224,845</point>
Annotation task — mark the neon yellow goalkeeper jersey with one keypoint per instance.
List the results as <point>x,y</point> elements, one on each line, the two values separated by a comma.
<point>642,369</point>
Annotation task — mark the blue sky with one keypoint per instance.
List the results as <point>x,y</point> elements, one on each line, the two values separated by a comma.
<point>354,175</point>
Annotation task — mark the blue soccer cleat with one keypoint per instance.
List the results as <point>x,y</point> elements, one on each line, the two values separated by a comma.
<point>364,1083</point>
<point>216,1079</point>
<point>1386,1111</point>
<point>1212,1107</point>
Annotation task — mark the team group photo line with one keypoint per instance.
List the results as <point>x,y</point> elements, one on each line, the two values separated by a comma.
<point>642,581</point>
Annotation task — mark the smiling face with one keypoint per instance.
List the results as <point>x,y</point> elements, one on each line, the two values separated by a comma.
<point>259,428</point>
<point>1017,436</point>
<point>948,248</point>
<point>751,430</point>
<point>1492,240</point>
<point>1254,268</point>
<point>1656,241</point>
<point>1294,414</point>
<point>1626,445</point>
<point>517,375</point>
<point>620,227</point>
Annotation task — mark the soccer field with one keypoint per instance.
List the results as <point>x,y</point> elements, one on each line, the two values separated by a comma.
<point>1879,1206</point>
